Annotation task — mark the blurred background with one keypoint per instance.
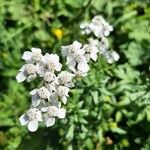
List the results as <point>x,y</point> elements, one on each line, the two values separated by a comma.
<point>110,108</point>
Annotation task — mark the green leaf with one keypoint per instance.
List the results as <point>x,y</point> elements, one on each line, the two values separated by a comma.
<point>118,130</point>
<point>95,97</point>
<point>70,133</point>
<point>118,116</point>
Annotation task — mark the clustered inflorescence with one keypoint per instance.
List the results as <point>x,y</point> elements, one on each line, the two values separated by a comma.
<point>47,100</point>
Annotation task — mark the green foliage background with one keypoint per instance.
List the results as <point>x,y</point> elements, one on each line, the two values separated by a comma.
<point>110,108</point>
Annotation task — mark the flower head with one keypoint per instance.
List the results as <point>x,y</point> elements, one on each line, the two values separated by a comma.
<point>111,56</point>
<point>65,78</point>
<point>52,62</point>
<point>28,71</point>
<point>60,92</point>
<point>34,56</point>
<point>58,33</point>
<point>40,95</point>
<point>71,49</point>
<point>49,77</point>
<point>90,52</point>
<point>98,26</point>
<point>51,113</point>
<point>31,118</point>
<point>78,60</point>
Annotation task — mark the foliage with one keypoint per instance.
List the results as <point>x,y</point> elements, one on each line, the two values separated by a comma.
<point>109,109</point>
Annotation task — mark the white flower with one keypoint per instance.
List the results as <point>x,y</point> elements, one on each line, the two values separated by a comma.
<point>50,64</point>
<point>51,113</point>
<point>101,45</point>
<point>39,95</point>
<point>28,71</point>
<point>97,29</point>
<point>78,59</point>
<point>33,57</point>
<point>62,92</point>
<point>78,73</point>
<point>75,55</point>
<point>100,27</point>
<point>111,56</point>
<point>71,49</point>
<point>90,52</point>
<point>31,119</point>
<point>49,77</point>
<point>85,28</point>
<point>65,78</point>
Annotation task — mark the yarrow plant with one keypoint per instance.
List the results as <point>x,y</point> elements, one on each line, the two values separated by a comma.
<point>47,100</point>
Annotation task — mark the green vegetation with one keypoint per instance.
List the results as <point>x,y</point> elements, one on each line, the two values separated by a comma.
<point>108,109</point>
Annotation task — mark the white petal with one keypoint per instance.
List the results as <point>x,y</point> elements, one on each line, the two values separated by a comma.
<point>59,104</point>
<point>51,87</point>
<point>36,50</point>
<point>31,77</point>
<point>64,99</point>
<point>23,120</point>
<point>93,42</point>
<point>35,100</point>
<point>94,56</point>
<point>44,109</point>
<point>33,92</point>
<point>54,57</point>
<point>106,32</point>
<point>55,103</point>
<point>33,125</point>
<point>41,70</point>
<point>70,85</point>
<point>110,60</point>
<point>27,55</point>
<point>20,77</point>
<point>84,25</point>
<point>94,49</point>
<point>54,97</point>
<point>71,62</point>
<point>115,56</point>
<point>87,30</point>
<point>45,58</point>
<point>83,66</point>
<point>39,115</point>
<point>81,51</point>
<point>87,57</point>
<point>58,67</point>
<point>22,69</point>
<point>50,122</point>
<point>77,44</point>
<point>61,113</point>
<point>72,69</point>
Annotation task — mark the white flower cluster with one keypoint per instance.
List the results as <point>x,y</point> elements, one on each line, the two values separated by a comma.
<point>53,92</point>
<point>101,29</point>
<point>46,100</point>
